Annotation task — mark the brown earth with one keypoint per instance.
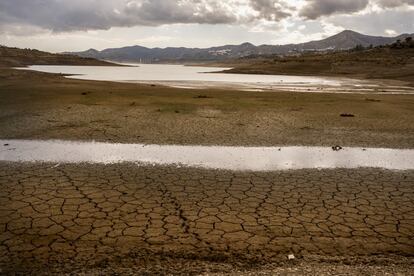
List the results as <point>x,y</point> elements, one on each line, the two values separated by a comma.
<point>44,106</point>
<point>129,219</point>
<point>125,219</point>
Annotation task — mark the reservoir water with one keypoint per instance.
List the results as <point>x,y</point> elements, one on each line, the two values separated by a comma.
<point>181,76</point>
<point>172,73</point>
<point>209,157</point>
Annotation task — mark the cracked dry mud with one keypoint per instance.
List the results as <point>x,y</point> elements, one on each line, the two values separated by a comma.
<point>128,219</point>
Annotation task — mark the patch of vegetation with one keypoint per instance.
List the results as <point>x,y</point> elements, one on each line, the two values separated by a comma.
<point>407,43</point>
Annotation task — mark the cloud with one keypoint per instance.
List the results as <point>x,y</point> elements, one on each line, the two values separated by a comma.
<point>318,8</point>
<point>390,32</point>
<point>59,15</point>
<point>20,30</point>
<point>81,15</point>
<point>154,22</point>
<point>158,12</point>
<point>377,23</point>
<point>271,10</point>
<point>394,3</point>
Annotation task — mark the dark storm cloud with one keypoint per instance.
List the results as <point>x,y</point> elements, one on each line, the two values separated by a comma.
<point>158,12</point>
<point>318,8</point>
<point>20,16</point>
<point>64,15</point>
<point>60,15</point>
<point>271,10</point>
<point>394,3</point>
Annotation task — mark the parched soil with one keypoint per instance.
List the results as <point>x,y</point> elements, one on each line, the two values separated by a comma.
<point>125,219</point>
<point>129,219</point>
<point>44,106</point>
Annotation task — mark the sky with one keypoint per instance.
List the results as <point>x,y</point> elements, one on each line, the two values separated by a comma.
<point>76,25</point>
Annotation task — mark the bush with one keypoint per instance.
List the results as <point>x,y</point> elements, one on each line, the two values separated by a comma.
<point>358,48</point>
<point>407,43</point>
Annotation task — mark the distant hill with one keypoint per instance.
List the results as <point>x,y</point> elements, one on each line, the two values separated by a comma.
<point>143,54</point>
<point>348,40</point>
<point>395,61</point>
<point>15,57</point>
<point>342,41</point>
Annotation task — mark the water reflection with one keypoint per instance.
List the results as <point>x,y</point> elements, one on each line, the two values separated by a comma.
<point>166,72</point>
<point>211,157</point>
<point>197,77</point>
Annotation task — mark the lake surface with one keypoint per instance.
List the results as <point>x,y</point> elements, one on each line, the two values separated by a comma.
<point>173,73</point>
<point>207,77</point>
<point>210,157</point>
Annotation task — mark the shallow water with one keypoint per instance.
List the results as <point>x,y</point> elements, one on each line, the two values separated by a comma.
<point>173,73</point>
<point>196,77</point>
<point>210,157</point>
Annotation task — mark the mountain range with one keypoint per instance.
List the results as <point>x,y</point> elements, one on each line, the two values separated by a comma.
<point>342,41</point>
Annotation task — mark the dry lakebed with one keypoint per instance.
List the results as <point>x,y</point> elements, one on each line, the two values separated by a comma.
<point>141,176</point>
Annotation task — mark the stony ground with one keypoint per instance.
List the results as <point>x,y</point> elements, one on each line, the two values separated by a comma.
<point>129,219</point>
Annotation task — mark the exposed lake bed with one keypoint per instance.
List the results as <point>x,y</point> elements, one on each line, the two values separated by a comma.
<point>135,195</point>
<point>194,192</point>
<point>154,114</point>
